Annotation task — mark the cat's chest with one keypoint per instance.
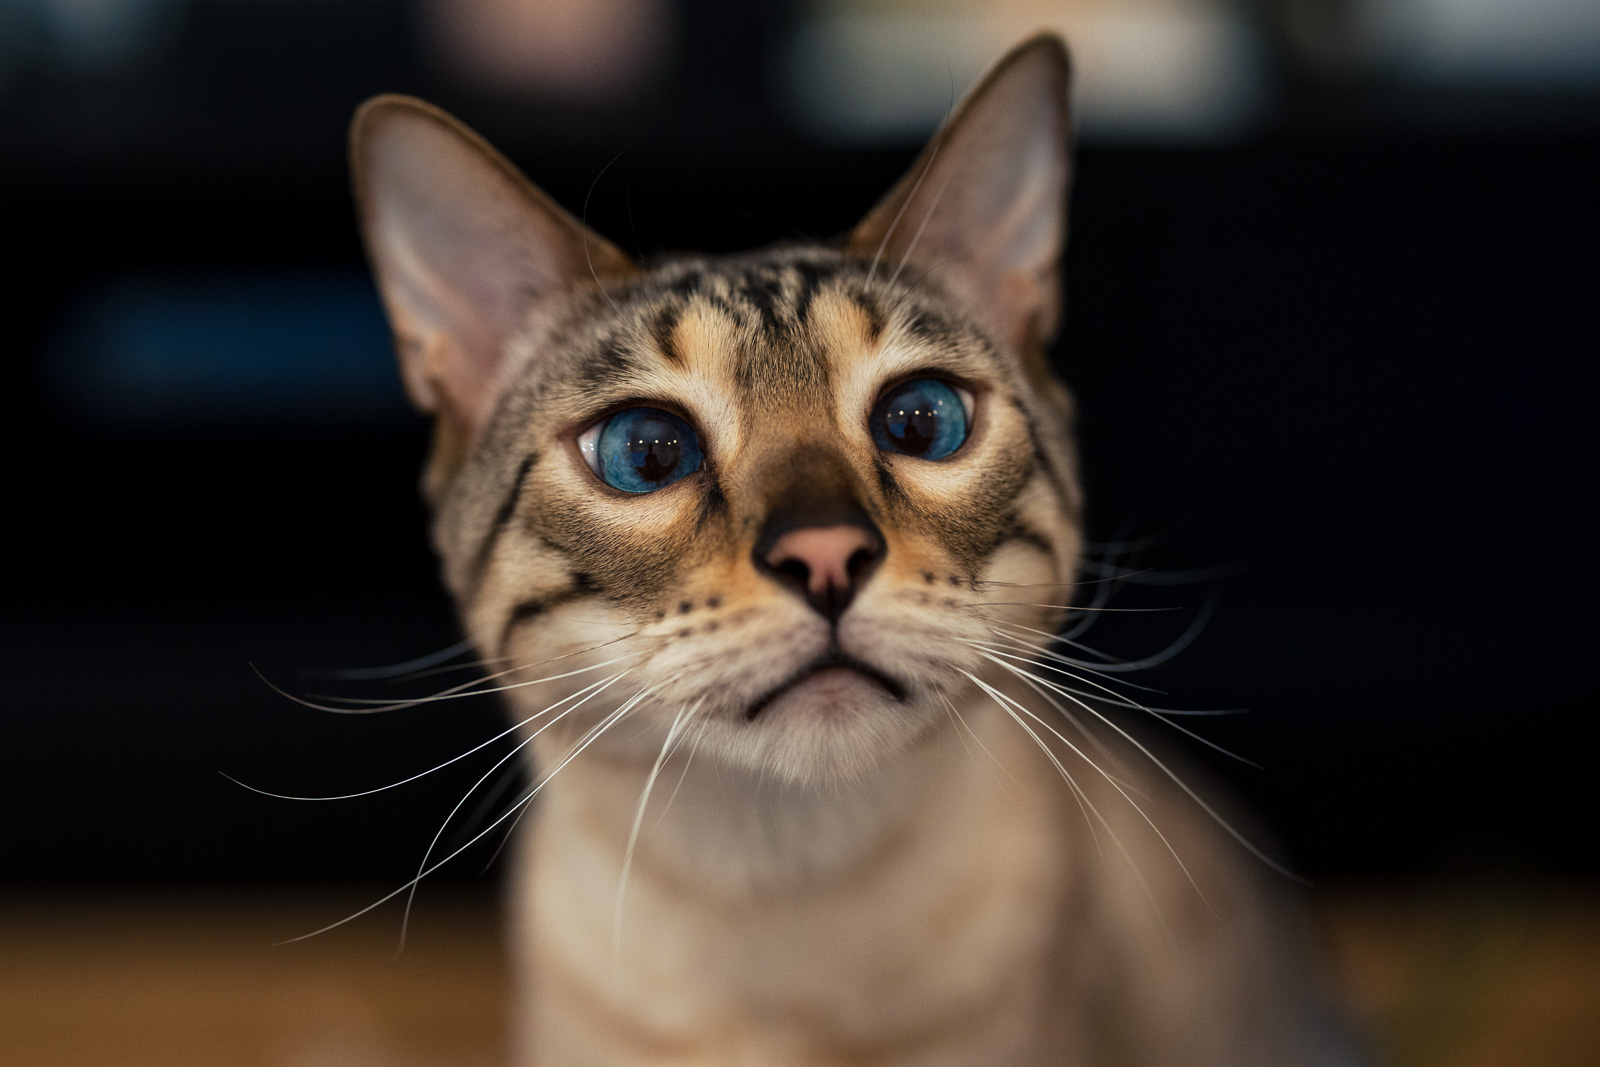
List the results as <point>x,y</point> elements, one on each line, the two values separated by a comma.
<point>860,954</point>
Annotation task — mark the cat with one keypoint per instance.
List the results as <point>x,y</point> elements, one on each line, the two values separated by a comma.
<point>767,551</point>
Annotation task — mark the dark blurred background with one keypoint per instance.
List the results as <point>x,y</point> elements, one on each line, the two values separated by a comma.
<point>1332,291</point>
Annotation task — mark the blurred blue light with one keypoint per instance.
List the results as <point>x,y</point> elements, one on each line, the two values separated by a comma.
<point>297,350</point>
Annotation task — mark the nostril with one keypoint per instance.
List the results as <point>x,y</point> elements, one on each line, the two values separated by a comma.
<point>825,564</point>
<point>858,563</point>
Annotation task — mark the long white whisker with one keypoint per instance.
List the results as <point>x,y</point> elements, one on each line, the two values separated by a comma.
<point>485,663</point>
<point>1037,651</point>
<point>1077,724</point>
<point>1183,641</point>
<point>1207,808</point>
<point>1109,696</point>
<point>978,740</point>
<point>906,256</point>
<point>501,762</point>
<point>513,810</point>
<point>453,692</point>
<point>1056,657</point>
<point>1085,805</point>
<point>933,153</point>
<point>950,713</point>
<point>439,766</point>
<point>667,748</point>
<point>694,747</point>
<point>583,225</point>
<point>1114,698</point>
<point>461,692</point>
<point>449,668</point>
<point>1114,783</point>
<point>582,743</point>
<point>396,670</point>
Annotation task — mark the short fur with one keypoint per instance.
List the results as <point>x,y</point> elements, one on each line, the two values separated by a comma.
<point>877,866</point>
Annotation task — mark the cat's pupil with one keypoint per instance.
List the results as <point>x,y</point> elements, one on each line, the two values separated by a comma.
<point>640,450</point>
<point>913,424</point>
<point>654,448</point>
<point>924,418</point>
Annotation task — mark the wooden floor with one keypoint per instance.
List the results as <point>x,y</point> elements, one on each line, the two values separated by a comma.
<point>1478,977</point>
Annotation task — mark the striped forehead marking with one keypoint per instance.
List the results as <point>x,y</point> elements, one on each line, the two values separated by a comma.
<point>767,328</point>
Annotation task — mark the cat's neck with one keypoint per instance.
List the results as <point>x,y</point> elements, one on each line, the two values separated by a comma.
<point>736,833</point>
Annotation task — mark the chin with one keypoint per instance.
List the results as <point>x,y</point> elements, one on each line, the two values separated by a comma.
<point>834,726</point>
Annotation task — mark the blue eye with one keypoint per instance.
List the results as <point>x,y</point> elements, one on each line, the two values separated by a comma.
<point>925,418</point>
<point>641,449</point>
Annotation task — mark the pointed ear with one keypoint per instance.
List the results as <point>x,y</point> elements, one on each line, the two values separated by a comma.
<point>985,204</point>
<point>463,247</point>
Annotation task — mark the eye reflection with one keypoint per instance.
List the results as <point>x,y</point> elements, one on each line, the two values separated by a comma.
<point>925,418</point>
<point>640,450</point>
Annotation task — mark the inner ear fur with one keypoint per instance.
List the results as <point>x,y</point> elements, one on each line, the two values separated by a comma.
<point>985,203</point>
<point>463,247</point>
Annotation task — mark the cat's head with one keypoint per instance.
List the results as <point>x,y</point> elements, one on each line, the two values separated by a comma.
<point>790,492</point>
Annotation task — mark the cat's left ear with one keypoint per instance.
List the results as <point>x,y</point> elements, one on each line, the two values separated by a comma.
<point>463,247</point>
<point>985,204</point>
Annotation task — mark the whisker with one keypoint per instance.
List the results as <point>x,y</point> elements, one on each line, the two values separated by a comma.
<point>667,747</point>
<point>905,257</point>
<point>395,670</point>
<point>978,740</point>
<point>1076,664</point>
<point>1104,658</point>
<point>694,747</point>
<point>1114,698</point>
<point>1183,640</point>
<point>1108,696</point>
<point>1077,724</point>
<point>1207,808</point>
<point>950,714</point>
<point>1124,794</point>
<point>501,762</point>
<point>584,226</point>
<point>1085,805</point>
<point>1103,592</point>
<point>471,664</point>
<point>514,809</point>
<point>484,662</point>
<point>440,766</point>
<point>490,799</point>
<point>455,692</point>
<point>593,733</point>
<point>894,224</point>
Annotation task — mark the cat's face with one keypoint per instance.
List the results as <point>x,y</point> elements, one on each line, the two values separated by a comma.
<point>789,493</point>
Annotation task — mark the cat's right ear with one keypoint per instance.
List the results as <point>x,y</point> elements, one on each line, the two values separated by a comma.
<point>463,247</point>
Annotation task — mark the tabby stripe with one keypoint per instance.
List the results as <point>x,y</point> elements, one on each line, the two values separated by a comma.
<point>1017,530</point>
<point>582,586</point>
<point>868,306</point>
<point>887,483</point>
<point>502,518</point>
<point>712,504</point>
<point>763,294</point>
<point>1068,498</point>
<point>663,326</point>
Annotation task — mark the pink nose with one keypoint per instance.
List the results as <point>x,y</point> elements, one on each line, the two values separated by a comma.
<point>826,554</point>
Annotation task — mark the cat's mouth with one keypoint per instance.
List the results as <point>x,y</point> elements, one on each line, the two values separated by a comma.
<point>832,660</point>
